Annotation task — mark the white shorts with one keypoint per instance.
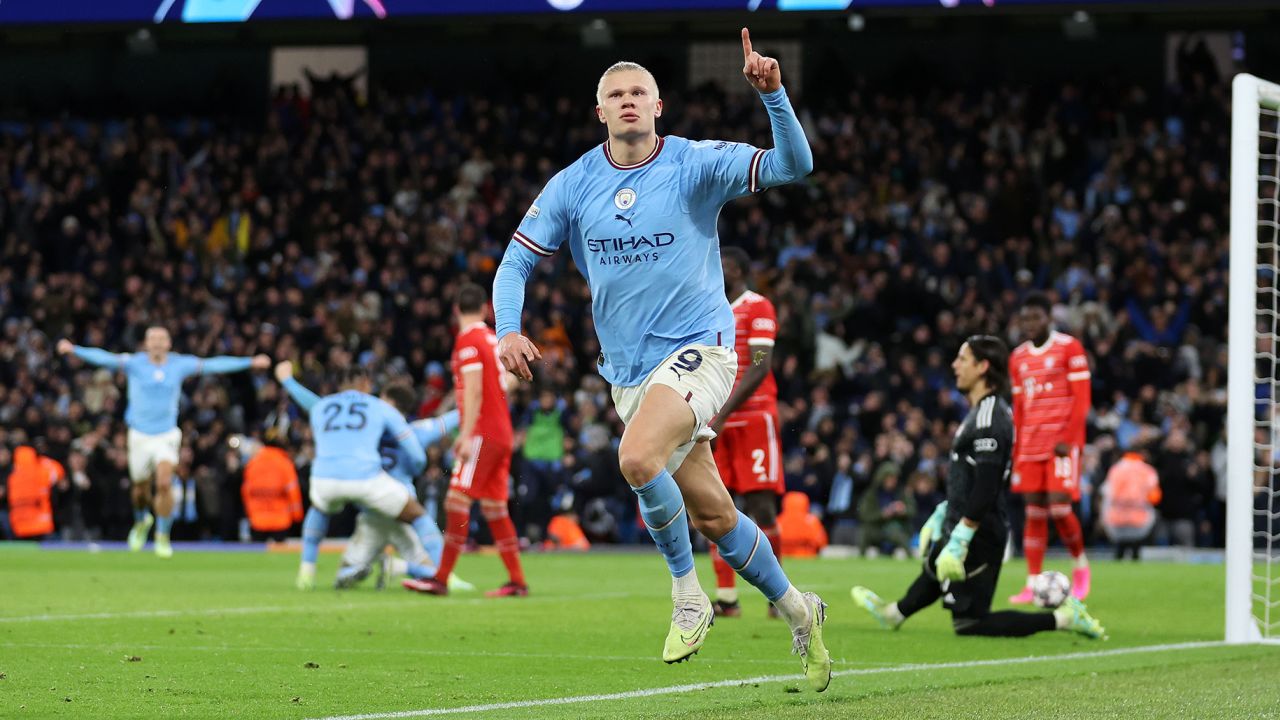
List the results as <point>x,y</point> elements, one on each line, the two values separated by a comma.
<point>702,374</point>
<point>374,531</point>
<point>148,451</point>
<point>381,493</point>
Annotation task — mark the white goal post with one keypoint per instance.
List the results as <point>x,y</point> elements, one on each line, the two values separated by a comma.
<point>1253,380</point>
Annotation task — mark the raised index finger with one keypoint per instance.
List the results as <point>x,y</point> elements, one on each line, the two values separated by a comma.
<point>746,43</point>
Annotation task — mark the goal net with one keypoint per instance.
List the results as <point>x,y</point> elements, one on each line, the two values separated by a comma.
<point>1253,374</point>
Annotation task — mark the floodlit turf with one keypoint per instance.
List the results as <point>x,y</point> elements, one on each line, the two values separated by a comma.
<point>211,635</point>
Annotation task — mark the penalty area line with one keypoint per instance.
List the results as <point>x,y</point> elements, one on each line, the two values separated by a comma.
<point>677,689</point>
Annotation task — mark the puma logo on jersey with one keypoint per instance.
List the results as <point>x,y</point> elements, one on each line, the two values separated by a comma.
<point>624,219</point>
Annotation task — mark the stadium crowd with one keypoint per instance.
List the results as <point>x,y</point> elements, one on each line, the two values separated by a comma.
<point>336,231</point>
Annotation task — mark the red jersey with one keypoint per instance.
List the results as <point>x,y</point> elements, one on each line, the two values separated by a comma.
<point>1051,396</point>
<point>477,347</point>
<point>755,323</point>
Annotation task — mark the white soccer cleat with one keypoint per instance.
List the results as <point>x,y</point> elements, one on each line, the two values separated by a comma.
<point>808,644</point>
<point>138,533</point>
<point>306,579</point>
<point>163,548</point>
<point>457,584</point>
<point>691,619</point>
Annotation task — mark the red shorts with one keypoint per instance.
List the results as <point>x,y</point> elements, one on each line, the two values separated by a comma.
<point>748,454</point>
<point>487,475</point>
<point>1055,475</point>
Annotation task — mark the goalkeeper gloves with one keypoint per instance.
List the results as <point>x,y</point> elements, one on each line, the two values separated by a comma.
<point>933,527</point>
<point>950,564</point>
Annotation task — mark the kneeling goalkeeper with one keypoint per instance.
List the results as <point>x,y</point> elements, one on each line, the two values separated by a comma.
<point>963,542</point>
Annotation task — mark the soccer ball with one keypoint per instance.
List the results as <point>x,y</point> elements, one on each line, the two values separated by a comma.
<point>1050,589</point>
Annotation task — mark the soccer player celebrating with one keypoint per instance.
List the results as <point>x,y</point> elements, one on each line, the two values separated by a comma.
<point>746,447</point>
<point>964,540</point>
<point>347,428</point>
<point>482,452</point>
<point>639,214</point>
<point>155,386</point>
<point>374,531</point>
<point>1051,395</point>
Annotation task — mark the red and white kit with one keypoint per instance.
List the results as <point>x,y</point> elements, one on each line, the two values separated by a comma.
<point>1051,397</point>
<point>485,476</point>
<point>748,452</point>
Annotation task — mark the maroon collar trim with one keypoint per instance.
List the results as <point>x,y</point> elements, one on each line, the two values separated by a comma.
<point>657,148</point>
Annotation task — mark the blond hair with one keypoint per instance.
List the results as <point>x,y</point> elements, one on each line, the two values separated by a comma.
<point>623,66</point>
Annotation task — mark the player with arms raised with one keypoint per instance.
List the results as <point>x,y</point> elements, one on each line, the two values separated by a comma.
<point>639,214</point>
<point>155,388</point>
<point>1051,396</point>
<point>482,451</point>
<point>348,427</point>
<point>964,540</point>
<point>746,447</point>
<point>374,531</point>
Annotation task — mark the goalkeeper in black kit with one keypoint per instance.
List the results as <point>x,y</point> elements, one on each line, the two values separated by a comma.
<point>963,542</point>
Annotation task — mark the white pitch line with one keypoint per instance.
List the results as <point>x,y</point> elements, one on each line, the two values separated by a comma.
<point>675,689</point>
<point>127,647</point>
<point>202,612</point>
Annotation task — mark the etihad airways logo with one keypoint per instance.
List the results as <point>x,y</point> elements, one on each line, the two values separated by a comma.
<point>630,249</point>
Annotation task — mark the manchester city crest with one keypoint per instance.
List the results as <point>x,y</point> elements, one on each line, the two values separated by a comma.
<point>625,198</point>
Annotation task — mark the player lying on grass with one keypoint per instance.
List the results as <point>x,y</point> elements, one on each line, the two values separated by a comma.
<point>347,428</point>
<point>365,550</point>
<point>963,543</point>
<point>639,215</point>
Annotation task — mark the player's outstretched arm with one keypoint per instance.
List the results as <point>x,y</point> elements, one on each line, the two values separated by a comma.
<point>432,430</point>
<point>301,395</point>
<point>224,364</point>
<point>791,158</point>
<point>93,356</point>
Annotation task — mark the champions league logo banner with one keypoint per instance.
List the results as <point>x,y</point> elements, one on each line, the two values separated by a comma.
<point>237,11</point>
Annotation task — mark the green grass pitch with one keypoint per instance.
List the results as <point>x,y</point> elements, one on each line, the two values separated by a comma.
<point>225,635</point>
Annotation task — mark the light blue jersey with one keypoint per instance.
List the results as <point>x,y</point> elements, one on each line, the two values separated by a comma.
<point>155,390</point>
<point>347,428</point>
<point>427,432</point>
<point>644,236</point>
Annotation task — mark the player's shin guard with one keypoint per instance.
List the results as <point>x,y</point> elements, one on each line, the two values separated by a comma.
<point>457,518</point>
<point>725,576</point>
<point>775,539</point>
<point>504,536</point>
<point>1068,528</point>
<point>747,551</point>
<point>164,525</point>
<point>314,526</point>
<point>662,507</point>
<point>1035,535</point>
